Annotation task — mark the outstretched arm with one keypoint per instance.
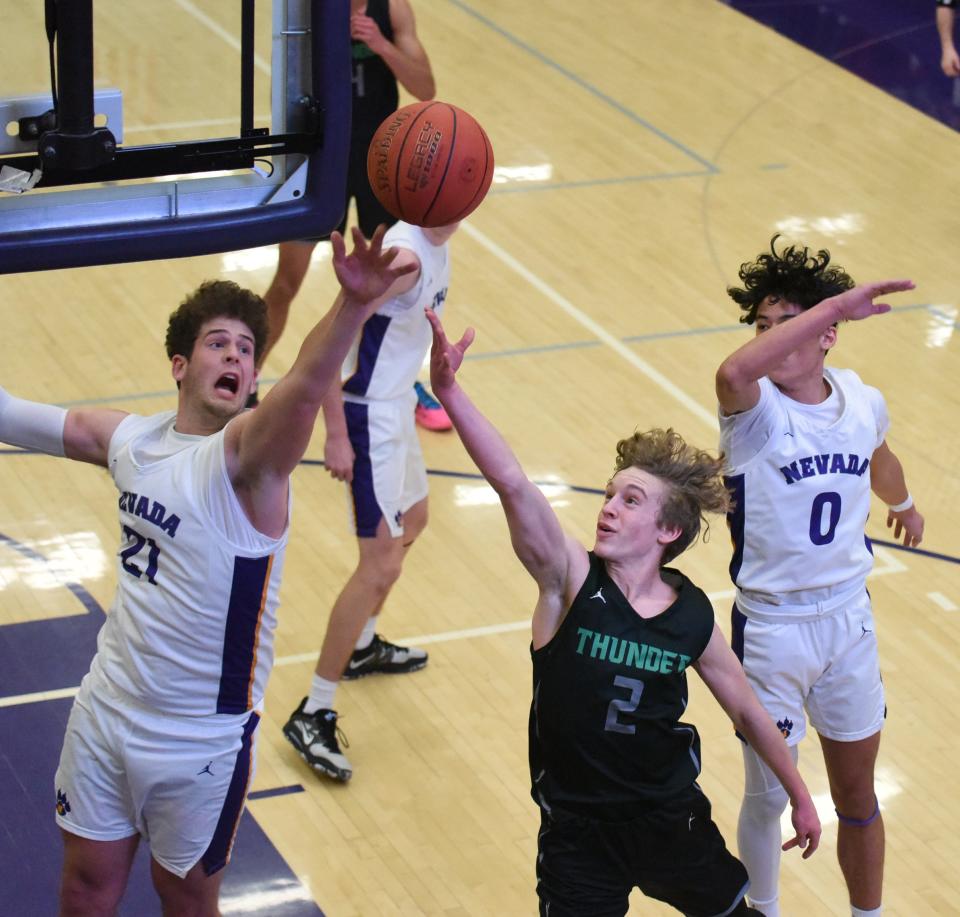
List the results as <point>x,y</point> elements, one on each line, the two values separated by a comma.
<point>889,484</point>
<point>721,671</point>
<point>405,55</point>
<point>80,433</point>
<point>557,562</point>
<point>949,59</point>
<point>264,446</point>
<point>737,380</point>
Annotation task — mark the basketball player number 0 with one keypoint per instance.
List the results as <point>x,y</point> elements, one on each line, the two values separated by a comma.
<point>827,499</point>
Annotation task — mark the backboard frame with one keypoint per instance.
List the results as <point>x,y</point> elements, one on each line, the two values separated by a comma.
<point>182,216</point>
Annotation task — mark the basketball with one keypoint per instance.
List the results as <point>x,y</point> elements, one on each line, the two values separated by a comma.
<point>430,163</point>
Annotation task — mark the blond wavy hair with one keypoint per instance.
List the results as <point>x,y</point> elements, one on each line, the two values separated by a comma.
<point>694,478</point>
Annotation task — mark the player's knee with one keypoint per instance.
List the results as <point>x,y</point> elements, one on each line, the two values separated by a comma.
<point>857,809</point>
<point>765,806</point>
<point>196,895</point>
<point>413,527</point>
<point>382,572</point>
<point>853,792</point>
<point>83,893</point>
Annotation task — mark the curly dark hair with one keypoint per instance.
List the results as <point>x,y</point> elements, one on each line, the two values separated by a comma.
<point>215,299</point>
<point>794,275</point>
<point>694,477</point>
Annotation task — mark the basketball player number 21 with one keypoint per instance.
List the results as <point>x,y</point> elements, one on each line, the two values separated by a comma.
<point>137,545</point>
<point>624,705</point>
<point>821,533</point>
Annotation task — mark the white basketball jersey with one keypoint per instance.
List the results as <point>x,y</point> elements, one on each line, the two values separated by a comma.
<point>386,357</point>
<point>191,627</point>
<point>800,479</point>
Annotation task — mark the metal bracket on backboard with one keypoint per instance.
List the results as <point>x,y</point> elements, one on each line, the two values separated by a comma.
<point>293,187</point>
<point>107,108</point>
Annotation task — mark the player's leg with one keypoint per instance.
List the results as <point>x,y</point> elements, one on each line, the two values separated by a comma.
<point>95,813</point>
<point>758,830</point>
<point>860,831</point>
<point>194,775</point>
<point>378,568</point>
<point>389,485</point>
<point>293,262</point>
<point>362,598</point>
<point>679,856</point>
<point>847,707</point>
<point>579,873</point>
<point>780,665</point>
<point>372,653</point>
<point>312,728</point>
<point>94,874</point>
<point>292,266</point>
<point>194,895</point>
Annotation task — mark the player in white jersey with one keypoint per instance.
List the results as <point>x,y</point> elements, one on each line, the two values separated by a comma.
<point>804,446</point>
<point>372,445</point>
<point>161,736</point>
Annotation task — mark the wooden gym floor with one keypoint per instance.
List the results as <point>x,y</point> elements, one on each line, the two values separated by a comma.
<point>644,151</point>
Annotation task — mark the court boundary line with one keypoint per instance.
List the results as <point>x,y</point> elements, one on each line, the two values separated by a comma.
<point>594,327</point>
<point>584,85</point>
<point>884,565</point>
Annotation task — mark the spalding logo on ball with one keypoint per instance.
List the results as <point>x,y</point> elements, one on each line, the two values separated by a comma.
<point>430,164</point>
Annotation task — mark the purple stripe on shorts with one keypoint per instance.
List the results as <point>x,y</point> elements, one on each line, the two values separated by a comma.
<point>217,855</point>
<point>365,507</point>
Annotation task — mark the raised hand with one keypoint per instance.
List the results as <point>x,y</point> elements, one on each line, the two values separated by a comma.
<point>858,303</point>
<point>445,358</point>
<point>367,273</point>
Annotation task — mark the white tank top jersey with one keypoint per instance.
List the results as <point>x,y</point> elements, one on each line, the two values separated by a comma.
<point>190,631</point>
<point>386,357</point>
<point>800,480</point>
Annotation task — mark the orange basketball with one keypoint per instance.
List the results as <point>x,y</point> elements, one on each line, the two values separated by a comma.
<point>430,163</point>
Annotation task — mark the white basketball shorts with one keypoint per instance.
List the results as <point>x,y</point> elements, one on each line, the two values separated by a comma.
<point>178,782</point>
<point>389,473</point>
<point>827,668</point>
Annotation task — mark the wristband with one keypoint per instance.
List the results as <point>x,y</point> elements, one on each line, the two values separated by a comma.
<point>900,507</point>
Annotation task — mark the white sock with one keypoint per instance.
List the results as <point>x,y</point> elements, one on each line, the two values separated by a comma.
<point>321,695</point>
<point>367,634</point>
<point>767,908</point>
<point>857,912</point>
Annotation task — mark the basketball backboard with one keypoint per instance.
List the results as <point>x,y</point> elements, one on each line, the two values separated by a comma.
<point>219,175</point>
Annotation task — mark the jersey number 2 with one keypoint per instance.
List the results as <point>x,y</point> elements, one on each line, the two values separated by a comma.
<point>138,543</point>
<point>620,705</point>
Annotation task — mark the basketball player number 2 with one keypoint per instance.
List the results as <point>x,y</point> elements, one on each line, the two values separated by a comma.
<point>153,555</point>
<point>829,499</point>
<point>621,705</point>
